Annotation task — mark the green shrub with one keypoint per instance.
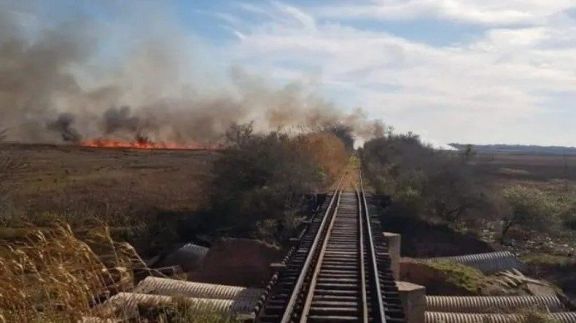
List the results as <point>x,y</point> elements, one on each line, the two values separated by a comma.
<point>423,181</point>
<point>570,223</point>
<point>530,207</point>
<point>544,259</point>
<point>535,316</point>
<point>568,213</point>
<point>182,311</point>
<point>460,275</point>
<point>261,180</point>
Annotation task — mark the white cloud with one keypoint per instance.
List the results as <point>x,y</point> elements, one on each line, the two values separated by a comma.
<point>485,12</point>
<point>298,15</point>
<point>494,89</point>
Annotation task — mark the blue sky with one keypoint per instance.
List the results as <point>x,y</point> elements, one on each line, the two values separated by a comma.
<point>478,71</point>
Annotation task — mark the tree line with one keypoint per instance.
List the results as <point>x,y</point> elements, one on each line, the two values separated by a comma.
<point>443,186</point>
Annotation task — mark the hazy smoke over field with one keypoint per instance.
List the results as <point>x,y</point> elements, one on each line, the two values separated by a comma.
<point>65,83</point>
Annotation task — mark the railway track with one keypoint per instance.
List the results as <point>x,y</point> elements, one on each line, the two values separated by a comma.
<point>338,271</point>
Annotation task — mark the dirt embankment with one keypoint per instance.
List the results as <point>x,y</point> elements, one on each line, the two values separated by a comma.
<point>421,239</point>
<point>242,262</point>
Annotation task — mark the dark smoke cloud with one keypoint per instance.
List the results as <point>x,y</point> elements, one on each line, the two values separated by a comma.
<point>118,119</point>
<point>54,89</point>
<point>63,126</point>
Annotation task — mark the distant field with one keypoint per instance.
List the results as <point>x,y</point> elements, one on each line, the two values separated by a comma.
<point>70,179</point>
<point>107,182</point>
<point>552,173</point>
<point>549,170</point>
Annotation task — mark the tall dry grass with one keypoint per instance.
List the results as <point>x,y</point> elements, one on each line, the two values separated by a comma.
<point>55,277</point>
<point>327,151</point>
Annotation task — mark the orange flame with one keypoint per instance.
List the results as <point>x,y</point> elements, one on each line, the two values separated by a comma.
<point>137,144</point>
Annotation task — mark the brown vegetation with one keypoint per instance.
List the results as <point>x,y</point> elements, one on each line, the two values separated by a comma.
<point>327,151</point>
<point>113,185</point>
<point>505,168</point>
<point>56,276</point>
<point>255,187</point>
<point>261,181</point>
<point>137,192</point>
<point>53,276</point>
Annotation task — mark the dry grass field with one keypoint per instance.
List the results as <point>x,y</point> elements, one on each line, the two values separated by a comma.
<point>547,171</point>
<point>550,252</point>
<point>124,184</point>
<point>553,174</point>
<point>106,182</point>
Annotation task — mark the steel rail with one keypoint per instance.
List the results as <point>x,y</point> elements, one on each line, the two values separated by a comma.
<point>311,289</point>
<point>287,316</point>
<point>364,309</point>
<point>378,314</point>
<point>363,290</point>
<point>317,257</point>
<point>338,271</point>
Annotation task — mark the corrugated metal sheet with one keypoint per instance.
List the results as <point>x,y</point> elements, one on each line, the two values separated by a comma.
<point>487,263</point>
<point>437,317</point>
<point>490,304</point>
<point>172,287</point>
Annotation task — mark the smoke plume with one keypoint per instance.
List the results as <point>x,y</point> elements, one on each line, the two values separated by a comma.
<point>63,126</point>
<point>58,84</point>
<point>117,119</point>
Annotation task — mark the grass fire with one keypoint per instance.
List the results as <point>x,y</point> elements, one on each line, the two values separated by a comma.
<point>141,143</point>
<point>281,161</point>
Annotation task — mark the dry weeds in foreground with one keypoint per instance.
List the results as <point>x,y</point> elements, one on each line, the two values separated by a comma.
<point>55,277</point>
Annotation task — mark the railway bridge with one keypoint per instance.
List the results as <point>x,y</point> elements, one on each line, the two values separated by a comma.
<point>338,269</point>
